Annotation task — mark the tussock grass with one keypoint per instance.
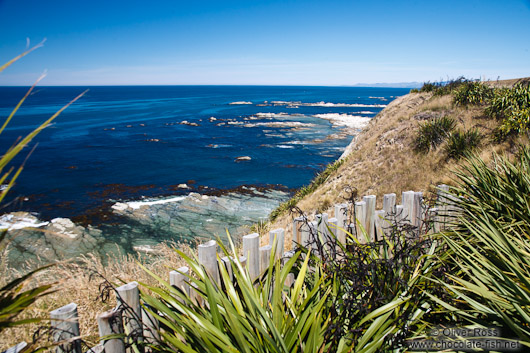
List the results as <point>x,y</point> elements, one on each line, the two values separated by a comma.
<point>432,133</point>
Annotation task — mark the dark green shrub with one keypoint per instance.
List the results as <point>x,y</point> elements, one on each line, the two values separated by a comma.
<point>444,87</point>
<point>414,90</point>
<point>512,105</point>
<point>461,142</point>
<point>474,93</point>
<point>432,133</point>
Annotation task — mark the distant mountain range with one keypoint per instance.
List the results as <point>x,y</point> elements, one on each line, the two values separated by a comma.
<point>392,85</point>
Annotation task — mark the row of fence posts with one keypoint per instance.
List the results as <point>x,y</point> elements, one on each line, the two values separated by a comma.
<point>369,221</point>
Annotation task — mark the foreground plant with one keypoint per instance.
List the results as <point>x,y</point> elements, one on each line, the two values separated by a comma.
<point>491,244</point>
<point>239,315</point>
<point>15,298</point>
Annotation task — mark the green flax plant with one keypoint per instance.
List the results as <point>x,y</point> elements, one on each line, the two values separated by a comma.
<point>240,315</point>
<point>15,297</point>
<point>512,106</point>
<point>490,244</point>
<point>473,93</point>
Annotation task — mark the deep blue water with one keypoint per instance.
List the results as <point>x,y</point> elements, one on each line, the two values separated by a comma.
<point>126,142</point>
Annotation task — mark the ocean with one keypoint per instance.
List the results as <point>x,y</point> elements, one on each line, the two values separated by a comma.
<point>158,144</point>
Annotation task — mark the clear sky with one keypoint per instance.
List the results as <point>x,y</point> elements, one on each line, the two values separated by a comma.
<point>297,42</point>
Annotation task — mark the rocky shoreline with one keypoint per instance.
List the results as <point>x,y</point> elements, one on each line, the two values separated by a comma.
<point>139,225</point>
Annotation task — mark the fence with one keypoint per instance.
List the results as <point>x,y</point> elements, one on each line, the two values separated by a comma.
<point>365,221</point>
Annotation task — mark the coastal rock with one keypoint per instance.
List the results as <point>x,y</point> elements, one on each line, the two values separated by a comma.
<point>243,158</point>
<point>185,122</point>
<point>58,239</point>
<point>199,216</point>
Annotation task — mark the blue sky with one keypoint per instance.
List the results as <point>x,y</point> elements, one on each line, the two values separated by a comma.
<point>263,42</point>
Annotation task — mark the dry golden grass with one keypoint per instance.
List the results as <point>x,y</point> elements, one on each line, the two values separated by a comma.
<point>79,283</point>
<point>381,159</point>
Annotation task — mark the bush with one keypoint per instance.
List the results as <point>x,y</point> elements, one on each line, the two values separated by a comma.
<point>473,93</point>
<point>512,105</point>
<point>492,242</point>
<point>461,143</point>
<point>442,88</point>
<point>432,133</point>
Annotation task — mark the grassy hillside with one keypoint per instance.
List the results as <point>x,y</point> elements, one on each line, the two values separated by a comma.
<point>383,158</point>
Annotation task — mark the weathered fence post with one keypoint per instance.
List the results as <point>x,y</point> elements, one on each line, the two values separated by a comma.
<point>407,201</point>
<point>251,252</point>
<point>151,326</point>
<point>417,214</point>
<point>264,258</point>
<point>195,296</point>
<point>433,221</point>
<point>389,204</point>
<point>297,231</point>
<point>179,279</point>
<point>16,348</point>
<point>305,235</point>
<point>360,221</point>
<point>208,259</point>
<point>65,327</point>
<point>341,214</point>
<point>278,236</point>
<point>128,298</point>
<point>110,323</point>
<point>400,213</point>
<point>380,224</point>
<point>370,216</point>
<point>443,205</point>
<point>228,265</point>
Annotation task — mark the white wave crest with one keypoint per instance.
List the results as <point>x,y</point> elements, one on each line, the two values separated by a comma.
<point>122,206</point>
<point>328,104</point>
<point>240,103</point>
<point>351,121</point>
<point>12,222</point>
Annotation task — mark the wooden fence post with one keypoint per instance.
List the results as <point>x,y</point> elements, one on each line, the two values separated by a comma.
<point>151,326</point>
<point>65,326</point>
<point>128,298</point>
<point>341,214</point>
<point>297,231</point>
<point>110,323</point>
<point>195,296</point>
<point>305,235</point>
<point>278,236</point>
<point>360,213</point>
<point>417,212</point>
<point>443,205</point>
<point>251,252</point>
<point>208,259</point>
<point>407,200</point>
<point>370,216</point>
<point>389,204</point>
<point>380,224</point>
<point>264,258</point>
<point>400,213</point>
<point>179,279</point>
<point>243,260</point>
<point>433,221</point>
